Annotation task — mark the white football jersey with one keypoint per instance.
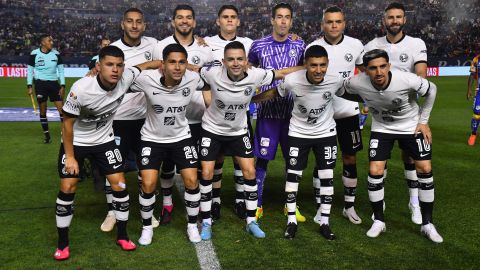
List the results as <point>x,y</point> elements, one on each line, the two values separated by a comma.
<point>312,114</point>
<point>197,55</point>
<point>342,59</point>
<point>395,110</point>
<point>166,106</point>
<point>133,105</point>
<point>404,54</point>
<point>227,114</point>
<point>218,43</point>
<point>95,107</point>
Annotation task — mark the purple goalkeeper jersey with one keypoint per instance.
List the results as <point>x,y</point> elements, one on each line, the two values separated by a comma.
<point>268,53</point>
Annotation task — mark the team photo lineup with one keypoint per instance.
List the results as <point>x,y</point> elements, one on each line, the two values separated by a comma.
<point>175,109</point>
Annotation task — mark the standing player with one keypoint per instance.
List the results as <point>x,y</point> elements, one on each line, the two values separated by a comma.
<point>104,42</point>
<point>45,65</point>
<point>275,51</point>
<point>224,126</point>
<point>228,22</point>
<point>166,135</point>
<point>130,116</point>
<point>184,23</point>
<point>344,53</point>
<point>87,130</point>
<point>312,127</point>
<point>406,54</point>
<point>474,72</point>
<point>392,97</point>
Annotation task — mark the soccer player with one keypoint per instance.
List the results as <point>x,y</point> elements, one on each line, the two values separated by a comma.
<point>406,54</point>
<point>224,126</point>
<point>87,130</point>
<point>397,116</point>
<point>183,21</point>
<point>104,42</point>
<point>474,72</point>
<point>45,69</point>
<point>312,126</point>
<point>275,51</point>
<point>166,134</point>
<point>228,23</point>
<point>130,116</point>
<point>344,53</point>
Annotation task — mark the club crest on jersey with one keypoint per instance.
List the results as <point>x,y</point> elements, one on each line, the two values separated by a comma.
<point>148,55</point>
<point>229,116</point>
<point>302,108</point>
<point>196,60</point>
<point>403,57</point>
<point>220,104</point>
<point>185,92</point>
<point>157,108</point>
<point>169,121</point>
<point>327,95</point>
<point>292,53</point>
<point>348,57</point>
<point>396,101</point>
<point>248,91</point>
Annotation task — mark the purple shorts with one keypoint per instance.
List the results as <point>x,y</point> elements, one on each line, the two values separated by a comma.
<point>268,134</point>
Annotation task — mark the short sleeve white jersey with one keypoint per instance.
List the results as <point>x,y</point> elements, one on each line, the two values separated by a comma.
<point>95,106</point>
<point>395,109</point>
<point>227,115</point>
<point>166,106</point>
<point>199,56</point>
<point>342,59</point>
<point>404,54</point>
<point>312,114</point>
<point>133,105</point>
<point>217,43</point>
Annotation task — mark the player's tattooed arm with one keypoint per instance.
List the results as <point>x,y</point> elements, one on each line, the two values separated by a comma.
<point>71,164</point>
<point>266,95</point>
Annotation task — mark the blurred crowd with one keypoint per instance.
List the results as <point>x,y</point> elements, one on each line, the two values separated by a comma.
<point>450,29</point>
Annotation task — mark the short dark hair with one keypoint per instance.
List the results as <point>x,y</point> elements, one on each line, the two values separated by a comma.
<point>41,37</point>
<point>374,54</point>
<point>279,6</point>
<point>132,10</point>
<point>315,51</point>
<point>395,5</point>
<point>224,7</point>
<point>182,7</point>
<point>110,51</point>
<point>171,48</point>
<point>333,9</point>
<point>234,45</point>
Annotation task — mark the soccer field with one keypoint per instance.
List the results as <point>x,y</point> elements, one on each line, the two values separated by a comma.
<point>29,184</point>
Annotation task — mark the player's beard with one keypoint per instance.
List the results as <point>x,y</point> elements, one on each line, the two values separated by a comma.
<point>395,32</point>
<point>185,33</point>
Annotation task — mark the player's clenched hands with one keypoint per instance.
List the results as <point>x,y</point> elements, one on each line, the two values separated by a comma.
<point>71,166</point>
<point>61,91</point>
<point>425,130</point>
<point>469,94</point>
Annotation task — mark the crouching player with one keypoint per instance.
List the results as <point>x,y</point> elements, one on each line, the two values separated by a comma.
<point>87,130</point>
<point>391,96</point>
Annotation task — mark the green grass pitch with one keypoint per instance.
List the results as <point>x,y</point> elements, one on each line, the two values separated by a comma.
<point>29,184</point>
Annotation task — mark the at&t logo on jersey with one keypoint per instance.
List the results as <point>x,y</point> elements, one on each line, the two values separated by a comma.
<point>219,104</point>
<point>348,57</point>
<point>157,108</point>
<point>302,108</point>
<point>403,57</point>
